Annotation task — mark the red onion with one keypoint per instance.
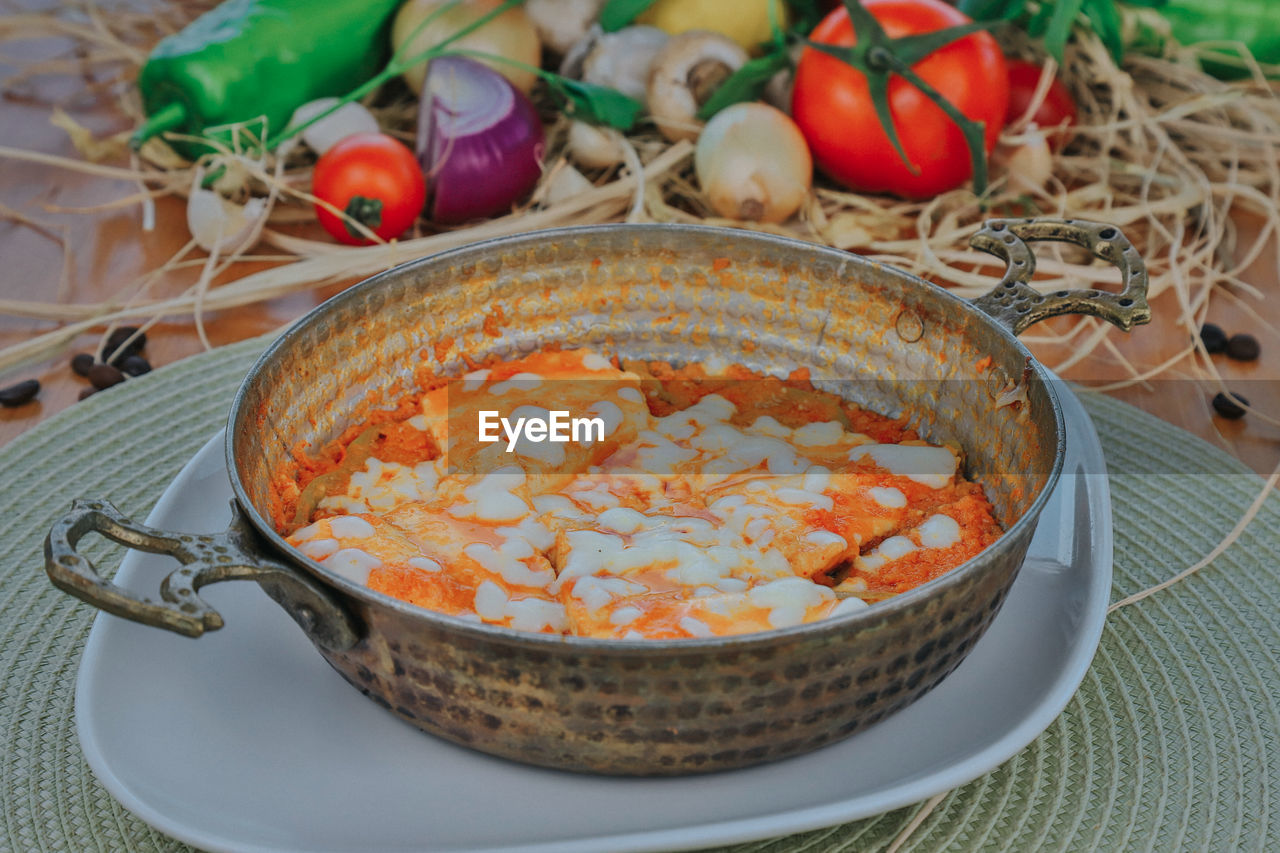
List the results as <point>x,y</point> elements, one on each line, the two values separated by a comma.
<point>479,140</point>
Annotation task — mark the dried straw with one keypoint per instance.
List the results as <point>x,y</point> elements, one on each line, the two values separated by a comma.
<point>1163,150</point>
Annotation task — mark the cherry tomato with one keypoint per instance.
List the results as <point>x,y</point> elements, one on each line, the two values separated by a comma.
<point>374,179</point>
<point>1057,110</point>
<point>832,105</point>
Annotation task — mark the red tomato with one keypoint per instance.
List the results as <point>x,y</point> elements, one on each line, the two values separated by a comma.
<point>1057,110</point>
<point>374,179</point>
<point>832,105</point>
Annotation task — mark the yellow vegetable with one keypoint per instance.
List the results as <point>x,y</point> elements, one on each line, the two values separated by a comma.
<point>744,21</point>
<point>511,34</point>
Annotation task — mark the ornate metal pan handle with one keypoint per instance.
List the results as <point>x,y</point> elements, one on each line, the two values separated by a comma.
<point>206,558</point>
<point>1016,305</point>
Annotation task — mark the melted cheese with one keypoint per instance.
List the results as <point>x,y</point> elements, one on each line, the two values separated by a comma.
<point>684,525</point>
<point>934,467</point>
<point>939,531</point>
<point>494,498</point>
<point>888,497</point>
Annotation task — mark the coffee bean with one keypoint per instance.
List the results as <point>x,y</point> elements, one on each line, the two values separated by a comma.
<point>135,365</point>
<point>117,338</point>
<point>1229,406</point>
<point>22,392</point>
<point>1243,347</point>
<point>104,376</point>
<point>87,391</point>
<point>1213,338</point>
<point>82,363</point>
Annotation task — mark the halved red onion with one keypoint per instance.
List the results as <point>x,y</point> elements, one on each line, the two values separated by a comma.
<point>479,141</point>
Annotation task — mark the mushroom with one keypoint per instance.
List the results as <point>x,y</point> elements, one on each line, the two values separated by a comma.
<point>777,92</point>
<point>684,75</point>
<point>623,60</point>
<point>562,23</point>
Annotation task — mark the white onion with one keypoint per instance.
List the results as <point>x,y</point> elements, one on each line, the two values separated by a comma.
<point>753,163</point>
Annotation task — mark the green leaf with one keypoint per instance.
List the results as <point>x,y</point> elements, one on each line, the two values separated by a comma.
<point>1039,20</point>
<point>745,84</point>
<point>1105,19</point>
<point>617,14</point>
<point>992,10</point>
<point>596,104</point>
<point>805,14</point>
<point>1060,24</point>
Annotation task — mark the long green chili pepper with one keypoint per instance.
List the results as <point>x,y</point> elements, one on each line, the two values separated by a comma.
<point>1253,23</point>
<point>246,59</point>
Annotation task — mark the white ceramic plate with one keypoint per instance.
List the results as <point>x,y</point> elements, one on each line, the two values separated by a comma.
<point>245,739</point>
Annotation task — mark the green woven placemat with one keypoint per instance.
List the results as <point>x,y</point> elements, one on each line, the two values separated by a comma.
<point>1168,745</point>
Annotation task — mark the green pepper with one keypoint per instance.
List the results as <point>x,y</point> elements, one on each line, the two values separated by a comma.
<point>1254,23</point>
<point>1192,23</point>
<point>259,59</point>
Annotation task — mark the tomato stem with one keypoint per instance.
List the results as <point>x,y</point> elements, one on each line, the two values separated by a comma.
<point>973,130</point>
<point>367,211</point>
<point>878,57</point>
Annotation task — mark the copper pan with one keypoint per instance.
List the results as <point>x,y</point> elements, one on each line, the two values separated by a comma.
<point>684,294</point>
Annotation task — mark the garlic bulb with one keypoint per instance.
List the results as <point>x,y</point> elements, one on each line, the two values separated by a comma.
<point>594,147</point>
<point>218,224</point>
<point>563,182</point>
<point>1030,164</point>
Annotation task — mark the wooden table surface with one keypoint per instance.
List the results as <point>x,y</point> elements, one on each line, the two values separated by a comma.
<point>91,257</point>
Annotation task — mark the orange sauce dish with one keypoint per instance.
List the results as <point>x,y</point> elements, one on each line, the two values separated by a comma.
<point>699,505</point>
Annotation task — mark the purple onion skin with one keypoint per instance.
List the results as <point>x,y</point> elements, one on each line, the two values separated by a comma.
<point>480,142</point>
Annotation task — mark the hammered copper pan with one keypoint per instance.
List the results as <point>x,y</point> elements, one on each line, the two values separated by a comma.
<point>683,294</point>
